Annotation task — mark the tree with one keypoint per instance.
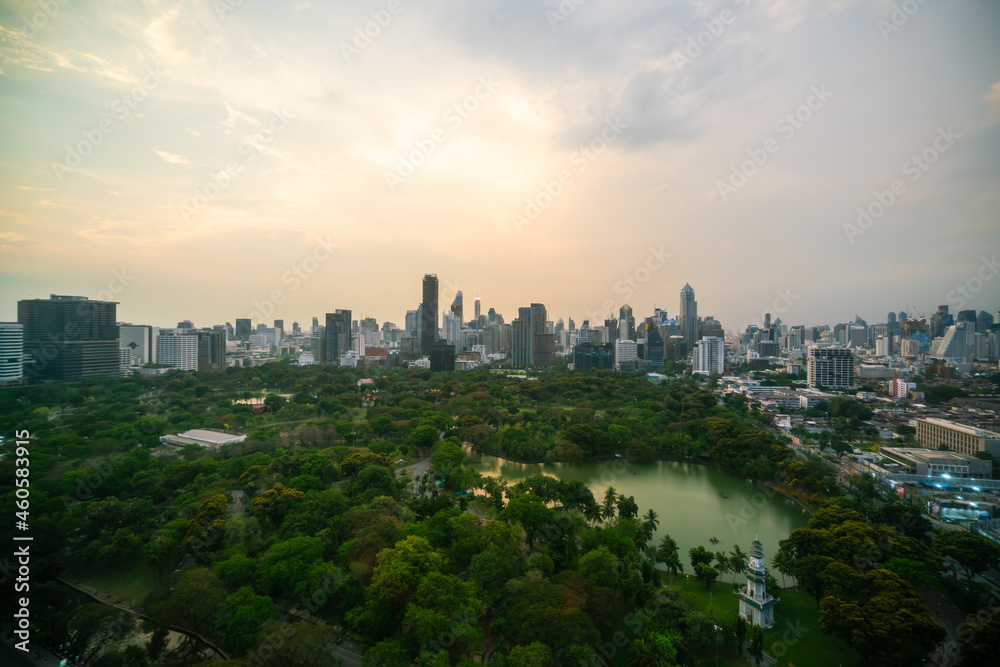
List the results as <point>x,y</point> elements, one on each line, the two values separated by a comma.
<point>738,561</point>
<point>707,573</point>
<point>782,562</point>
<point>740,630</point>
<point>529,511</point>
<point>608,509</point>
<point>275,402</point>
<point>973,553</point>
<point>757,643</point>
<point>534,654</point>
<point>699,554</point>
<point>600,567</point>
<point>667,554</point>
<point>722,563</point>
<point>627,507</point>
<point>242,615</point>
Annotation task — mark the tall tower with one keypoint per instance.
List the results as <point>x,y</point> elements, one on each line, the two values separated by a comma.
<point>756,604</point>
<point>478,309</point>
<point>337,336</point>
<point>688,318</point>
<point>456,307</point>
<point>429,314</point>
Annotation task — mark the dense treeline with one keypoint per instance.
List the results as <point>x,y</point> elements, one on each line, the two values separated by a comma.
<point>309,518</point>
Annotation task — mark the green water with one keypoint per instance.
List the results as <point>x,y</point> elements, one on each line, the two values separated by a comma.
<point>689,499</point>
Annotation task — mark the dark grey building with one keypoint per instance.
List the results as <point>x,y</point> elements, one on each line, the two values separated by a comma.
<point>211,350</point>
<point>69,338</point>
<point>243,329</point>
<point>429,314</point>
<point>337,335</point>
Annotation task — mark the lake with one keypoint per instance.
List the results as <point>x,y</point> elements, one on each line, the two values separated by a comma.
<point>689,499</point>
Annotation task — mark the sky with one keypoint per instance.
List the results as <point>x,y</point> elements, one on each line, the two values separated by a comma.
<point>209,160</point>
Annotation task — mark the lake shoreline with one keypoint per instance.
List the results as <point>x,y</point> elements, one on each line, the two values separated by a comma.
<point>701,460</point>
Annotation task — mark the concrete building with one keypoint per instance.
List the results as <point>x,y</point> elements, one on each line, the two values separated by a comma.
<point>337,337</point>
<point>11,353</point>
<point>709,356</point>
<point>243,328</point>
<point>939,464</point>
<point>429,313</point>
<point>901,388</point>
<point>626,352</point>
<point>933,432</point>
<point>178,350</point>
<point>830,367</point>
<point>204,437</point>
<point>140,339</point>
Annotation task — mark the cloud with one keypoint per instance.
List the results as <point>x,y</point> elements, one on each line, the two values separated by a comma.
<point>994,94</point>
<point>15,240</point>
<point>170,158</point>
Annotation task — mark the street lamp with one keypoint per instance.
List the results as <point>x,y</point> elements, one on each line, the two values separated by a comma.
<point>717,629</point>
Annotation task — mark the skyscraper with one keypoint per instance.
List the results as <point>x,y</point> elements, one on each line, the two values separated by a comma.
<point>688,318</point>
<point>429,313</point>
<point>543,343</point>
<point>69,338</point>
<point>626,323</point>
<point>522,335</point>
<point>211,350</point>
<point>457,307</point>
<point>478,309</point>
<point>243,328</point>
<point>337,335</point>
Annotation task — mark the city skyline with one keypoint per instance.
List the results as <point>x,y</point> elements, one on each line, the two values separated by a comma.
<point>190,159</point>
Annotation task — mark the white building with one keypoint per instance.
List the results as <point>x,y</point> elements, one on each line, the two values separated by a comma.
<point>141,341</point>
<point>626,351</point>
<point>901,388</point>
<point>11,353</point>
<point>178,350</point>
<point>709,356</point>
<point>125,361</point>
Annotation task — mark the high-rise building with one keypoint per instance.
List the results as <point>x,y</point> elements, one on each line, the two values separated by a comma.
<point>478,310</point>
<point>279,331</point>
<point>983,322</point>
<point>185,324</point>
<point>244,329</point>
<point>688,318</point>
<point>11,353</point>
<point>626,352</point>
<point>442,357</point>
<point>709,356</point>
<point>626,323</point>
<point>410,323</point>
<point>653,346</point>
<point>909,348</point>
<point>429,313</point>
<point>140,340</point>
<point>940,321</point>
<point>457,307</point>
<point>337,336</point>
<point>69,338</point>
<point>543,343</point>
<point>587,356</point>
<point>522,337</point>
<point>211,350</point>
<point>451,326</point>
<point>178,350</point>
<point>315,325</point>
<point>830,367</point>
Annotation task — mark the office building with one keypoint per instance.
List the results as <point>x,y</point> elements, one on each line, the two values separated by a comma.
<point>337,338</point>
<point>69,338</point>
<point>211,350</point>
<point>626,323</point>
<point>457,307</point>
<point>442,357</point>
<point>626,352</point>
<point>11,353</point>
<point>543,343</point>
<point>140,339</point>
<point>830,367</point>
<point>522,337</point>
<point>688,318</point>
<point>429,314</point>
<point>653,347</point>
<point>932,433</point>
<point>243,329</point>
<point>587,356</point>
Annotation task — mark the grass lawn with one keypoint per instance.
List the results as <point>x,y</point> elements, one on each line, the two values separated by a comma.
<point>131,586</point>
<point>794,641</point>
